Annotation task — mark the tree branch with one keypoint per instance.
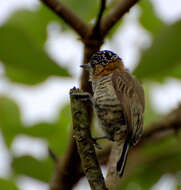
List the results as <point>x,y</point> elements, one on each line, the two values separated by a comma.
<point>68,16</point>
<point>96,29</point>
<point>169,124</point>
<point>116,13</point>
<point>84,143</point>
<point>67,171</point>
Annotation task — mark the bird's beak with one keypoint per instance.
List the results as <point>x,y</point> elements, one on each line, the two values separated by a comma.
<point>86,67</point>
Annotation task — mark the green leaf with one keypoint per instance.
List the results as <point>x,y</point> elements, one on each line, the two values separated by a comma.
<point>59,141</point>
<point>38,169</point>
<point>24,60</point>
<point>163,58</point>
<point>22,40</point>
<point>34,23</point>
<point>148,18</point>
<point>29,22</point>
<point>65,117</point>
<point>41,130</point>
<point>10,119</point>
<point>54,134</point>
<point>7,185</point>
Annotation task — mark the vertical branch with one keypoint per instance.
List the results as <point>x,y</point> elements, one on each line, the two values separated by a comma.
<point>96,29</point>
<point>84,143</point>
<point>67,171</point>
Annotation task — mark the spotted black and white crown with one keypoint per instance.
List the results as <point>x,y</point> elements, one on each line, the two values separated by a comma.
<point>103,57</point>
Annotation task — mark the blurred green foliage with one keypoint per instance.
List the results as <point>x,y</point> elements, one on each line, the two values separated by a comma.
<point>149,19</point>
<point>7,184</point>
<point>55,134</point>
<point>163,58</point>
<point>22,52</point>
<point>25,61</point>
<point>38,169</point>
<point>159,158</point>
<point>10,119</point>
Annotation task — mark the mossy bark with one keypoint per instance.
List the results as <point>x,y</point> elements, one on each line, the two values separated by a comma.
<point>86,150</point>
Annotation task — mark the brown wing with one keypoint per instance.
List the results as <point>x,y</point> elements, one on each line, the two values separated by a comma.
<point>131,97</point>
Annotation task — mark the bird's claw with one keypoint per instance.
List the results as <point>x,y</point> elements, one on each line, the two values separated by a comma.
<point>94,141</point>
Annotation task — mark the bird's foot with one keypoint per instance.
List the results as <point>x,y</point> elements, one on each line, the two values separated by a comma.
<point>98,146</point>
<point>95,139</point>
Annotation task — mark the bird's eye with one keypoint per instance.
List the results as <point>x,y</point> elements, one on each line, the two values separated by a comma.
<point>98,69</point>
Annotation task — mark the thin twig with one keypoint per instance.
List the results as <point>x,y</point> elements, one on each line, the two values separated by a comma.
<point>116,13</point>
<point>68,16</point>
<point>96,29</point>
<point>84,142</point>
<point>52,155</point>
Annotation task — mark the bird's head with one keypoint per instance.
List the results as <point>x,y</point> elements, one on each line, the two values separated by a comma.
<point>103,63</point>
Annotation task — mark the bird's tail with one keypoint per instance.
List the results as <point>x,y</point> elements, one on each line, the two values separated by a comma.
<point>122,161</point>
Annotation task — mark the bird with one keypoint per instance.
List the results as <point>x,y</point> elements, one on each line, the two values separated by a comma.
<point>118,99</point>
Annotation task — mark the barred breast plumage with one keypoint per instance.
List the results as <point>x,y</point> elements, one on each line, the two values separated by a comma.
<point>108,107</point>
